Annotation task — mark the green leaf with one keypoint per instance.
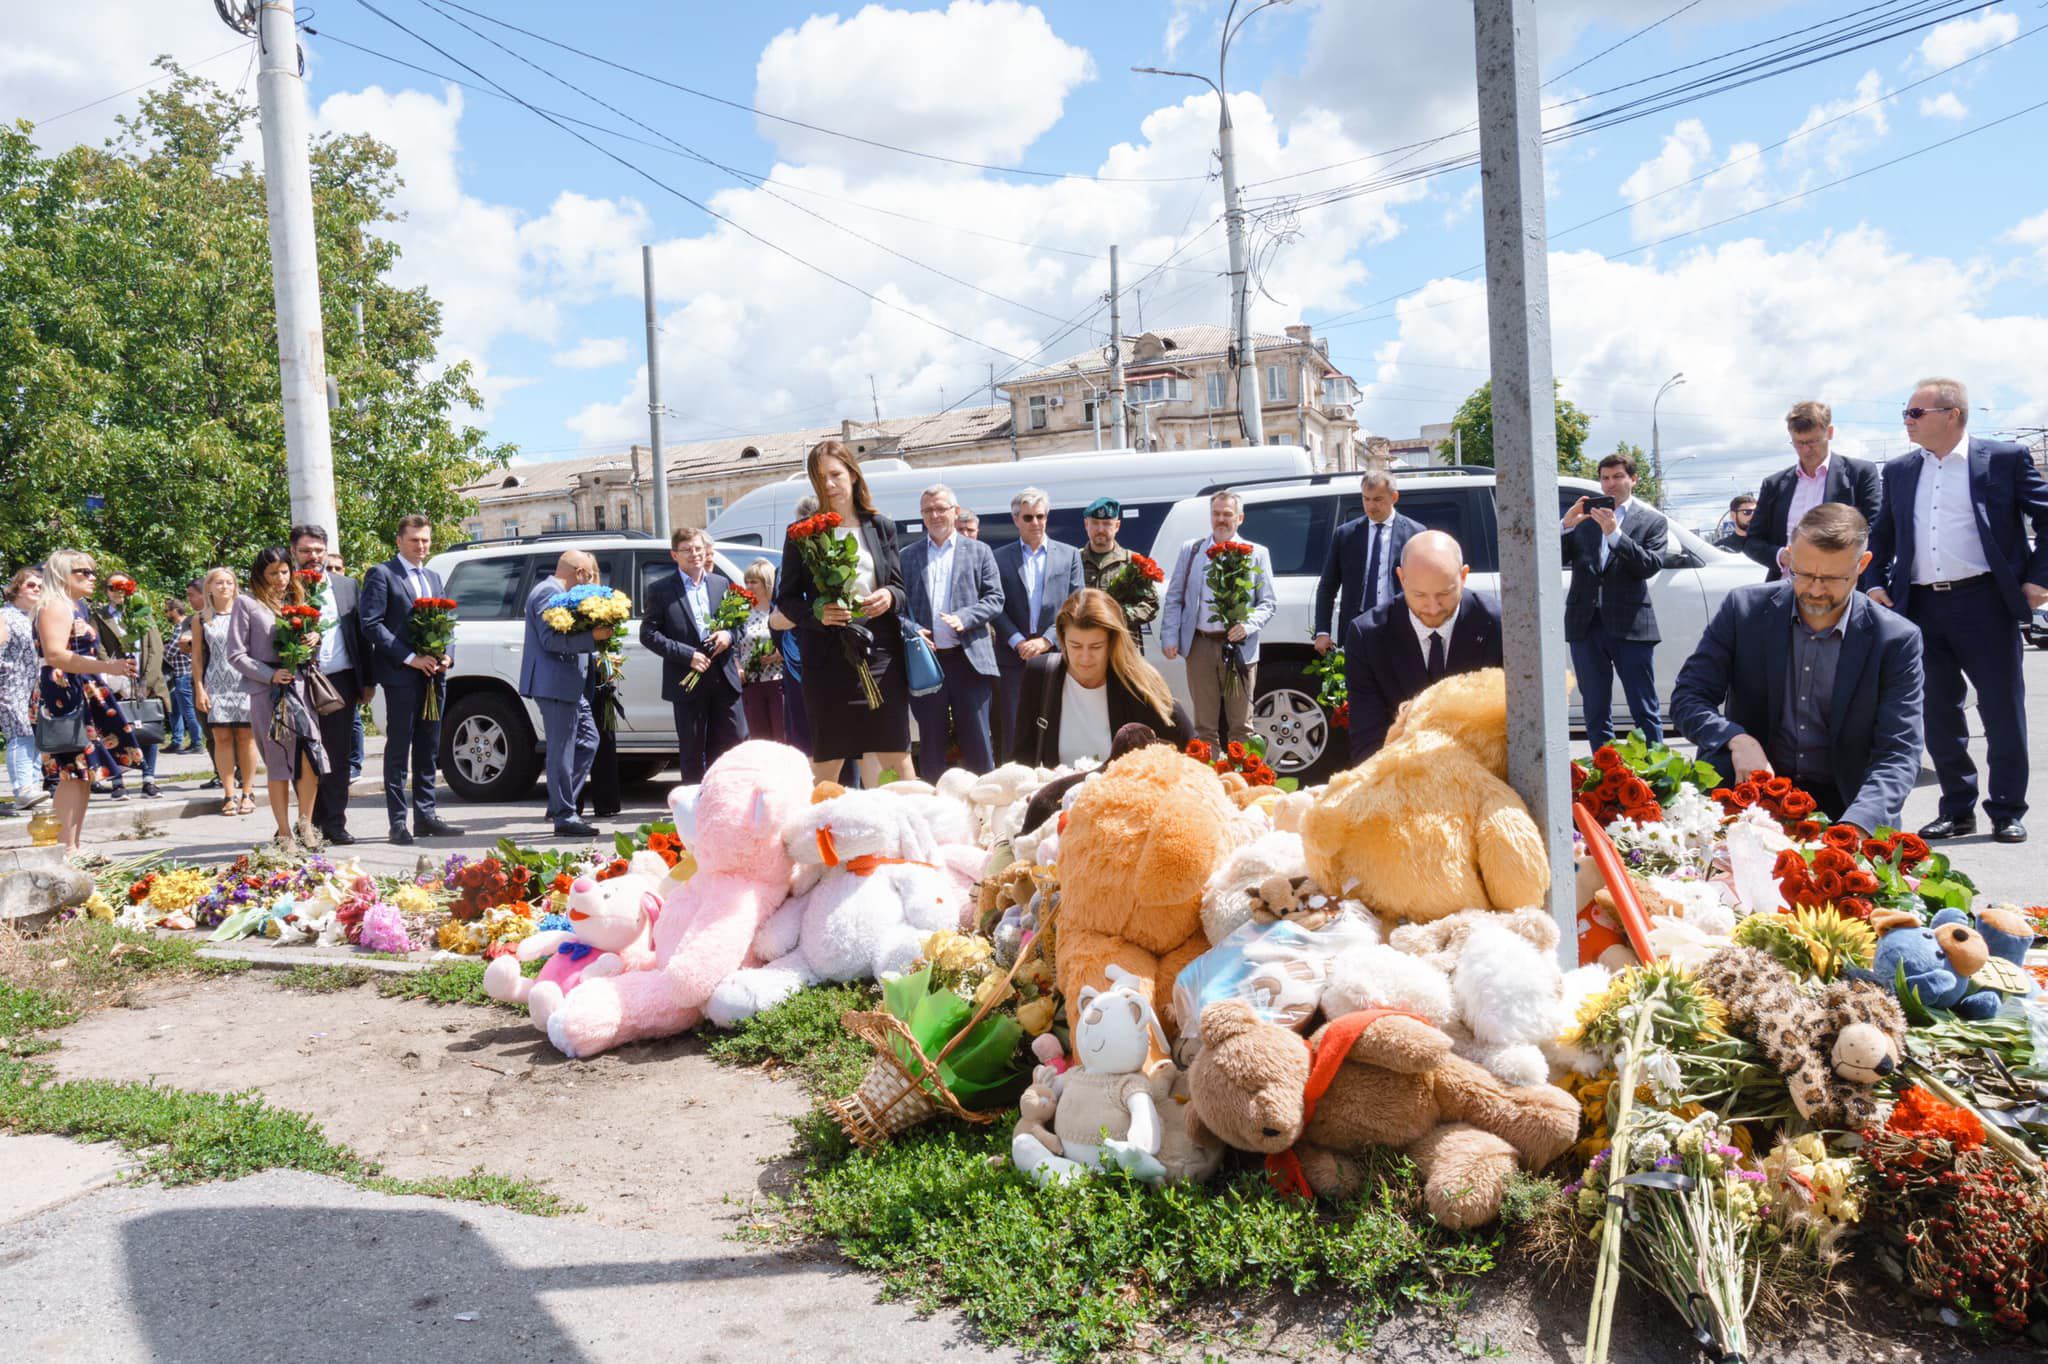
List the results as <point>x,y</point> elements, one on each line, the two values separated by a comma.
<point>1947,892</point>
<point>1286,784</point>
<point>623,845</point>
<point>936,1018</point>
<point>888,774</point>
<point>986,1057</point>
<point>1917,1013</point>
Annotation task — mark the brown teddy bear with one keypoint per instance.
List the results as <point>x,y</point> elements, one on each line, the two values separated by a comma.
<point>1428,825</point>
<point>1397,1084</point>
<point>1141,842</point>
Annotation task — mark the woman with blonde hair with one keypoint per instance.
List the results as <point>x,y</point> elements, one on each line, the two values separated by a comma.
<point>761,657</point>
<point>69,691</point>
<point>845,720</point>
<point>280,713</point>
<point>1075,700</point>
<point>218,692</point>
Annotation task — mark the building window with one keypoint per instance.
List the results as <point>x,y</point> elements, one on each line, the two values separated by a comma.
<point>625,516</point>
<point>559,521</point>
<point>750,452</point>
<point>474,530</point>
<point>1037,404</point>
<point>599,509</point>
<point>1276,383</point>
<point>1088,411</point>
<point>713,506</point>
<point>1218,443</point>
<point>1219,391</point>
<point>1162,390</point>
<point>509,529</point>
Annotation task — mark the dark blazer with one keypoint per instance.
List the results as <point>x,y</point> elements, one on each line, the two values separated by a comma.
<point>1851,482</point>
<point>1037,740</point>
<point>1384,664</point>
<point>1345,567</point>
<point>2006,492</point>
<point>671,633</point>
<point>384,612</point>
<point>796,594</point>
<point>1734,683</point>
<point>1063,578</point>
<point>1619,596</point>
<point>975,594</point>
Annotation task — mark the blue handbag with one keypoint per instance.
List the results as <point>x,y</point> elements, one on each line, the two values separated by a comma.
<point>920,663</point>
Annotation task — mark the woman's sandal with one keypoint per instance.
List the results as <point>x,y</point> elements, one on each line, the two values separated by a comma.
<point>247,805</point>
<point>228,806</point>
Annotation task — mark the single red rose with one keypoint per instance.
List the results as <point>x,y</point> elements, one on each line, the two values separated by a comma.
<point>1860,882</point>
<point>1806,830</point>
<point>1831,858</point>
<point>1235,750</point>
<point>1635,789</point>
<point>1877,849</point>
<point>1855,906</point>
<point>1798,805</point>
<point>1743,796</point>
<point>1606,758</point>
<point>1914,847</point>
<point>1843,836</point>
<point>1779,787</point>
<point>1828,884</point>
<point>1789,862</point>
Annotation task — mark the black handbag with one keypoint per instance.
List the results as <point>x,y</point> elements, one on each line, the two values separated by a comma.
<point>61,733</point>
<point>146,718</point>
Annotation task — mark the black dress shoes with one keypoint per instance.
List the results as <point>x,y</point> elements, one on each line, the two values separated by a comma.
<point>401,835</point>
<point>1949,826</point>
<point>338,837</point>
<point>436,828</point>
<point>2008,831</point>
<point>575,828</point>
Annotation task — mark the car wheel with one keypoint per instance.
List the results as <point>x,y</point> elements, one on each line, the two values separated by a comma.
<point>487,750</point>
<point>1300,740</point>
<point>634,771</point>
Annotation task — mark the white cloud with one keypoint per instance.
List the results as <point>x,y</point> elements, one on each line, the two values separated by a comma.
<point>1959,39</point>
<point>594,352</point>
<point>1760,329</point>
<point>1178,23</point>
<point>58,57</point>
<point>1944,105</point>
<point>2034,233</point>
<point>977,81</point>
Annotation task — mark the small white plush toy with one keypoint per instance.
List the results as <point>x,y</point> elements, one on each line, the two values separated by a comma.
<point>1110,1107</point>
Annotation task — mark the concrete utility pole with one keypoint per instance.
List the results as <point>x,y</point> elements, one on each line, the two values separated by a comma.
<point>1114,353</point>
<point>654,398</point>
<point>294,258</point>
<point>1656,444</point>
<point>1525,435</point>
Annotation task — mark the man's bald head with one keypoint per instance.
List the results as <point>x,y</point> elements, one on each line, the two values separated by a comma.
<point>573,565</point>
<point>1432,576</point>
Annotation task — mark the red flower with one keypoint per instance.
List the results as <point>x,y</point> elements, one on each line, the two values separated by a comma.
<point>1779,787</point>
<point>1915,848</point>
<point>1806,830</point>
<point>1606,758</point>
<point>1860,882</point>
<point>1843,836</point>
<point>1919,1114</point>
<point>1636,791</point>
<point>1199,751</point>
<point>1855,906</point>
<point>1743,796</point>
<point>1828,884</point>
<point>1341,717</point>
<point>561,883</point>
<point>1878,849</point>
<point>1149,568</point>
<point>1797,805</point>
<point>1789,863</point>
<point>1235,750</point>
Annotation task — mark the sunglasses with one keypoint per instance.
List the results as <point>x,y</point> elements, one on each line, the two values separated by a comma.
<point>1031,516</point>
<point>85,573</point>
<point>1913,414</point>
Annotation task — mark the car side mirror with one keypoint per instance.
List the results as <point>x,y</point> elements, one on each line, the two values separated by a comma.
<point>1683,558</point>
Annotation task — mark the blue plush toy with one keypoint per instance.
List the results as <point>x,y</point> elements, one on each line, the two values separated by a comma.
<point>1937,960</point>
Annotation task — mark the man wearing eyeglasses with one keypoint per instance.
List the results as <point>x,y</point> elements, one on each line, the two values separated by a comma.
<point>1950,553</point>
<point>1819,476</point>
<point>1810,680</point>
<point>1037,574</point>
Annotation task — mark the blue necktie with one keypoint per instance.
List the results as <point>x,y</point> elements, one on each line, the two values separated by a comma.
<point>1372,570</point>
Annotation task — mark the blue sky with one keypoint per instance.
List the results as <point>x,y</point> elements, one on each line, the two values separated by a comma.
<point>532,237</point>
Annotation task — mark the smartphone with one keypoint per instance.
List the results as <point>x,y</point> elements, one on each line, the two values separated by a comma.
<point>1599,500</point>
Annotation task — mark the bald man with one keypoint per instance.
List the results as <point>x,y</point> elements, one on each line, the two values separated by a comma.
<point>1433,629</point>
<point>554,670</point>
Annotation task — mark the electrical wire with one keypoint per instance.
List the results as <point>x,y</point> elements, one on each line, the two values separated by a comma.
<point>154,80</point>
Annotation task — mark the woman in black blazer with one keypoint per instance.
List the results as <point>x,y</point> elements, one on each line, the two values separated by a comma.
<point>1076,700</point>
<point>842,723</point>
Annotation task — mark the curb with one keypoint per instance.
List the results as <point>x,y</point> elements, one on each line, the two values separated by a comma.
<point>285,958</point>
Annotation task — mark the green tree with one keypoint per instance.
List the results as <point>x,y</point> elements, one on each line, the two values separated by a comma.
<point>1474,422</point>
<point>1649,487</point>
<point>138,341</point>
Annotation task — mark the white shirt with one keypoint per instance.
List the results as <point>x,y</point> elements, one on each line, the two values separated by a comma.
<point>938,577</point>
<point>1423,632</point>
<point>416,583</point>
<point>1084,721</point>
<point>864,563</point>
<point>1807,493</point>
<point>1620,520</point>
<point>1946,545</point>
<point>334,655</point>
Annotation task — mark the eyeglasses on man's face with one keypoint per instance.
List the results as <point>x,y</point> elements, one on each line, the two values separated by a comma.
<point>1031,516</point>
<point>1829,581</point>
<point>1913,414</point>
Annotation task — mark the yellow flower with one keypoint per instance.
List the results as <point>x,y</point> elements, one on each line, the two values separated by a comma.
<point>990,984</point>
<point>178,889</point>
<point>559,619</point>
<point>951,951</point>
<point>98,908</point>
<point>1036,1016</point>
<point>414,900</point>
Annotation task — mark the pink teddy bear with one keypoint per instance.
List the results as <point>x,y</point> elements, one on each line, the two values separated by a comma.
<point>733,825</point>
<point>610,933</point>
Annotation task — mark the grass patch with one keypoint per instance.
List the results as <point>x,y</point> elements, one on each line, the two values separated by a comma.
<point>88,965</point>
<point>185,1137</point>
<point>1091,1266</point>
<point>803,1033</point>
<point>455,982</point>
<point>316,978</point>
<point>26,1011</point>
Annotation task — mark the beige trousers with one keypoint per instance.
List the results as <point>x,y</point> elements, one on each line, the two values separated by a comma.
<point>1205,688</point>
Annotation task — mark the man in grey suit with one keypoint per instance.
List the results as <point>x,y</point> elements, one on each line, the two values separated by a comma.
<point>952,591</point>
<point>554,669</point>
<point>1615,549</point>
<point>1037,575</point>
<point>1189,628</point>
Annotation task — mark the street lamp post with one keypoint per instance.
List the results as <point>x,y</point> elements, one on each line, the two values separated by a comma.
<point>1251,417</point>
<point>1656,448</point>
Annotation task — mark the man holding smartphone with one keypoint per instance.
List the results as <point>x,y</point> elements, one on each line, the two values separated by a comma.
<point>1615,546</point>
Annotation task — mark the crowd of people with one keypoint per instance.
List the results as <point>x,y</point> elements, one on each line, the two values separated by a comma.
<point>1888,592</point>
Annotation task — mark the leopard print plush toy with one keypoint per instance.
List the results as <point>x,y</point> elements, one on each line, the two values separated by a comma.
<point>1832,1050</point>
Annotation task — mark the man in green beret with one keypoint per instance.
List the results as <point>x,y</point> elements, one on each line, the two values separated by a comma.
<point>1104,559</point>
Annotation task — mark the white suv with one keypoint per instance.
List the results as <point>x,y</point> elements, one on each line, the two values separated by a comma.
<point>491,740</point>
<point>1295,518</point>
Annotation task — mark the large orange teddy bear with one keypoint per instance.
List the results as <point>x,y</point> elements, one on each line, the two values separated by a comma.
<point>1142,840</point>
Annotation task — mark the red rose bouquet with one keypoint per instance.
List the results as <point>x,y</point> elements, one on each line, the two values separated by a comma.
<point>833,561</point>
<point>730,616</point>
<point>293,635</point>
<point>1233,579</point>
<point>431,632</point>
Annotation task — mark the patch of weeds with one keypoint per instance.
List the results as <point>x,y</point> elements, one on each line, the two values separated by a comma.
<point>455,982</point>
<point>185,1137</point>
<point>88,964</point>
<point>803,1033</point>
<point>26,1011</point>
<point>316,978</point>
<point>1087,1267</point>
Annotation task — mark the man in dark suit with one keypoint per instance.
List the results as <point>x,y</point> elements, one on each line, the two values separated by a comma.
<point>1037,574</point>
<point>1609,621</point>
<point>1950,551</point>
<point>1809,679</point>
<point>344,658</point>
<point>554,669</point>
<point>1362,557</point>
<point>676,626</point>
<point>411,739</point>
<point>1819,476</point>
<point>1433,629</point>
<point>951,590</point>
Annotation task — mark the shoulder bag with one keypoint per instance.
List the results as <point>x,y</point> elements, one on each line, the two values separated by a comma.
<point>920,663</point>
<point>145,718</point>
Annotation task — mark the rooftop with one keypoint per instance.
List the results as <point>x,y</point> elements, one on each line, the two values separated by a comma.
<point>1200,340</point>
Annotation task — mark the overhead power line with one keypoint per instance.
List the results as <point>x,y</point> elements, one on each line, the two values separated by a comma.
<point>154,80</point>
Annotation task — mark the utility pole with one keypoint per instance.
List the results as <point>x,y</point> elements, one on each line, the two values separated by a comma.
<point>875,397</point>
<point>1656,445</point>
<point>1114,352</point>
<point>294,258</point>
<point>654,398</point>
<point>1525,436</point>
